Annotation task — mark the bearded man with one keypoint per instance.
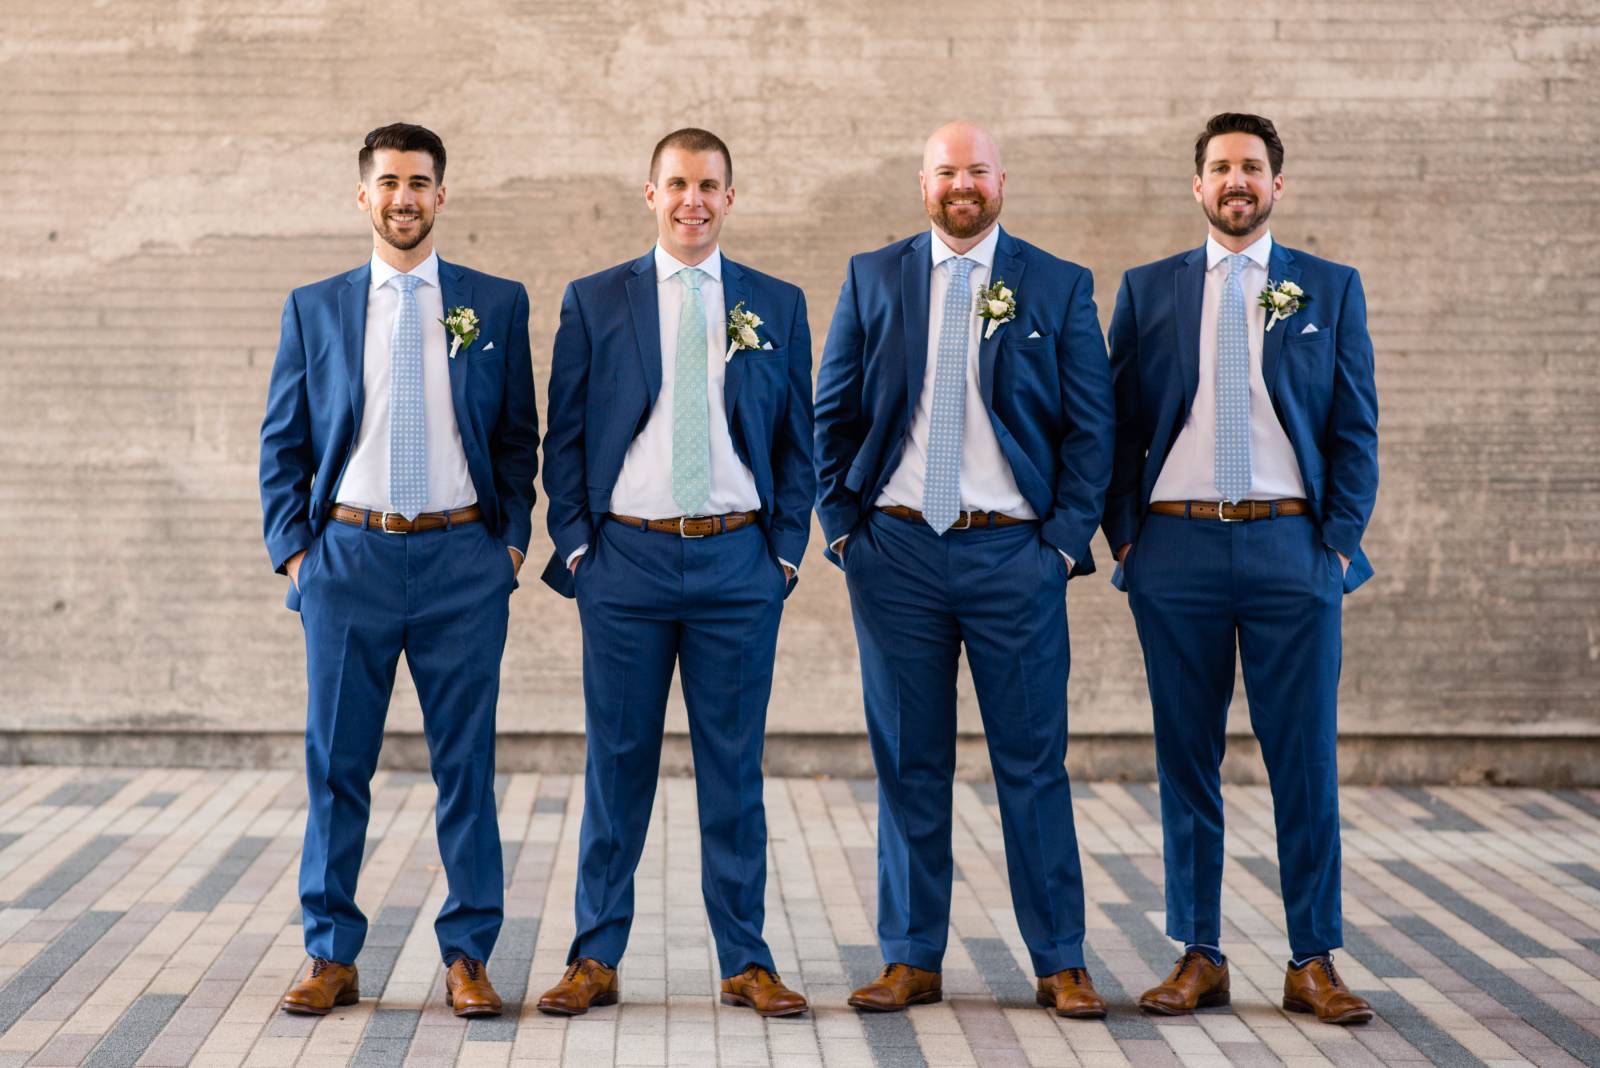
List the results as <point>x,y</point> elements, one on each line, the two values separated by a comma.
<point>963,448</point>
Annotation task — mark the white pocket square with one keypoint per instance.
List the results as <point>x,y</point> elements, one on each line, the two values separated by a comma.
<point>1034,334</point>
<point>768,345</point>
<point>489,346</point>
<point>1311,328</point>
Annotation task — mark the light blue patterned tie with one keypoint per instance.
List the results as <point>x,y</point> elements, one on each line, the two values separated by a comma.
<point>941,488</point>
<point>408,433</point>
<point>1233,387</point>
<point>691,436</point>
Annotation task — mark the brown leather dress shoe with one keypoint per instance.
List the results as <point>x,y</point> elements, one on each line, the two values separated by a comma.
<point>763,991</point>
<point>1193,983</point>
<point>1316,987</point>
<point>468,991</point>
<point>327,983</point>
<point>587,984</point>
<point>900,985</point>
<point>1071,993</point>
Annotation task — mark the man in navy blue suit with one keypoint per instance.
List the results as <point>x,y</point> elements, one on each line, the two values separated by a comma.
<point>397,464</point>
<point>678,467</point>
<point>1246,470</point>
<point>962,459</point>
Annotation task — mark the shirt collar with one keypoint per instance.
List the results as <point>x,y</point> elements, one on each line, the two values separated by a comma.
<point>982,253</point>
<point>668,265</point>
<point>427,270</point>
<point>1259,251</point>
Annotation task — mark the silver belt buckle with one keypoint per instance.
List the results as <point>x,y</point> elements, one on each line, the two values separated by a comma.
<point>682,519</point>
<point>964,526</point>
<point>383,523</point>
<point>1222,517</point>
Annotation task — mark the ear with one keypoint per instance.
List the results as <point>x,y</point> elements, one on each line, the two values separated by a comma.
<point>727,203</point>
<point>438,200</point>
<point>922,184</point>
<point>650,195</point>
<point>1197,187</point>
<point>362,201</point>
<point>1277,186</point>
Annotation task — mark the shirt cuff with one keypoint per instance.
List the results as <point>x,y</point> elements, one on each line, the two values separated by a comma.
<point>838,543</point>
<point>792,567</point>
<point>521,556</point>
<point>579,551</point>
<point>1068,559</point>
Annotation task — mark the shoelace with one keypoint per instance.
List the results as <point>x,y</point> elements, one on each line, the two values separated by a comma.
<point>1327,969</point>
<point>319,965</point>
<point>1078,975</point>
<point>471,967</point>
<point>888,969</point>
<point>1194,956</point>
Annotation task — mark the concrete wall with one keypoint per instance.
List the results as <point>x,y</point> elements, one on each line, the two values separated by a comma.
<point>174,169</point>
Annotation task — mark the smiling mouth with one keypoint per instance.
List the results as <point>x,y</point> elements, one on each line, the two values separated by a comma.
<point>403,217</point>
<point>1238,202</point>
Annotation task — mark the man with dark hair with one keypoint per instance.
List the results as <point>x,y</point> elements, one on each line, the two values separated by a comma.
<point>397,463</point>
<point>678,467</point>
<point>1246,471</point>
<point>963,447</point>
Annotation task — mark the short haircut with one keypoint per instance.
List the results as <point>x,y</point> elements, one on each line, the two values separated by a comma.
<point>691,139</point>
<point>1239,122</point>
<point>402,137</point>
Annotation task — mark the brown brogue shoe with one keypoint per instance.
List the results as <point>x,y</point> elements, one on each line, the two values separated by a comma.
<point>763,991</point>
<point>1194,983</point>
<point>900,985</point>
<point>327,983</point>
<point>1316,987</point>
<point>1071,993</point>
<point>587,984</point>
<point>468,991</point>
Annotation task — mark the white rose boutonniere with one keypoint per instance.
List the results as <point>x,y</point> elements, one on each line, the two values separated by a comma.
<point>1282,300</point>
<point>462,326</point>
<point>997,304</point>
<point>742,326</point>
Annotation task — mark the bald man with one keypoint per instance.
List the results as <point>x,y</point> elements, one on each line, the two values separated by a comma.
<point>964,425</point>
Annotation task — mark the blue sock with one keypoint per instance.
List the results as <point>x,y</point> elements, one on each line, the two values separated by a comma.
<point>1212,953</point>
<point>1301,962</point>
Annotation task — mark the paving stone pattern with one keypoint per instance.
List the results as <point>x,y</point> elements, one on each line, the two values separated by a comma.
<point>149,918</point>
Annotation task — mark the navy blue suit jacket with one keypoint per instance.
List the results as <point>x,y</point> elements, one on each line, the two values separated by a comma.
<point>605,379</point>
<point>316,395</point>
<point>1047,397</point>
<point>1321,385</point>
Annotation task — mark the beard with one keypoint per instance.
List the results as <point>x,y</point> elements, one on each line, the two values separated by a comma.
<point>988,212</point>
<point>1252,219</point>
<point>380,223</point>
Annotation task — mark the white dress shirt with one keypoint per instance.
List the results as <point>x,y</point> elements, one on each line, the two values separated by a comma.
<point>644,485</point>
<point>987,484</point>
<point>366,473</point>
<point>1189,473</point>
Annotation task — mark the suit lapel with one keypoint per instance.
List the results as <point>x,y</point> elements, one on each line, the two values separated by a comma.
<point>735,288</point>
<point>1188,291</point>
<point>456,291</point>
<point>1008,266</point>
<point>916,272</point>
<point>645,306</point>
<point>1280,268</point>
<point>353,332</point>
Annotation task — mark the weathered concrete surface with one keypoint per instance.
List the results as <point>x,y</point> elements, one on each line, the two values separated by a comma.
<point>174,170</point>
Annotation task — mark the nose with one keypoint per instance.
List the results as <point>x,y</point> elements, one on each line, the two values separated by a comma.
<point>962,180</point>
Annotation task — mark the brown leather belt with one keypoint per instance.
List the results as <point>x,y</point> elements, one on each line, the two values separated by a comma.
<point>688,526</point>
<point>1242,512</point>
<point>967,520</point>
<point>395,523</point>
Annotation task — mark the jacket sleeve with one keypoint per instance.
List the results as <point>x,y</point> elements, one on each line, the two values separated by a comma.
<point>514,443</point>
<point>287,459</point>
<point>1352,435</point>
<point>841,425</point>
<point>794,477</point>
<point>1121,521</point>
<point>565,466</point>
<point>1085,447</point>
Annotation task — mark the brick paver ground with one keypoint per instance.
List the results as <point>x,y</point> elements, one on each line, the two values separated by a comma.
<point>148,917</point>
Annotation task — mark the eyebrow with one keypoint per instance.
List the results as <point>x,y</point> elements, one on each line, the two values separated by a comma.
<point>413,178</point>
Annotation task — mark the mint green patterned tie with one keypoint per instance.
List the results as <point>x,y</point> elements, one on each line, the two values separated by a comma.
<point>691,435</point>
